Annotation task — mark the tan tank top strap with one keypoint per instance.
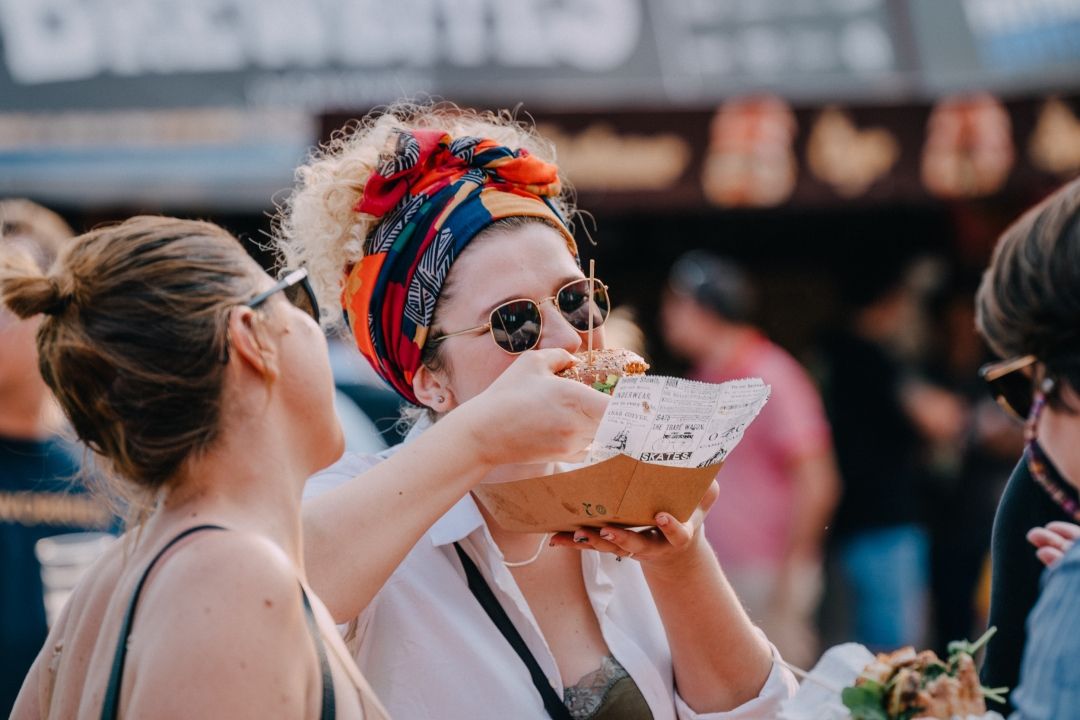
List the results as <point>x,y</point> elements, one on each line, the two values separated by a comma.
<point>369,702</point>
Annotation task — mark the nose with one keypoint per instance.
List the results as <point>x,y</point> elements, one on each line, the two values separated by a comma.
<point>557,332</point>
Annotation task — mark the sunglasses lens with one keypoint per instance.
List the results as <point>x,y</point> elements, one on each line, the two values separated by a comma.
<point>1013,393</point>
<point>516,325</point>
<point>302,296</point>
<point>575,304</point>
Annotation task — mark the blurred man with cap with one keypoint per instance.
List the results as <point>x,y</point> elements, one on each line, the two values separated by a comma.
<point>779,488</point>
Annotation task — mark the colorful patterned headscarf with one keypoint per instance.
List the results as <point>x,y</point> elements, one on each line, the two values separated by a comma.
<point>433,195</point>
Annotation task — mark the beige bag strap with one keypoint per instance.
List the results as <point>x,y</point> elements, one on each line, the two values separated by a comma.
<point>369,702</point>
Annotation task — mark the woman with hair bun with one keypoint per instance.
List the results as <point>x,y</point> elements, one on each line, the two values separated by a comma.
<point>441,238</point>
<point>184,368</point>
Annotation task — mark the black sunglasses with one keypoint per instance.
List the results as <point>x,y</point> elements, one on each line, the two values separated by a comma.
<point>1010,387</point>
<point>297,290</point>
<point>516,325</point>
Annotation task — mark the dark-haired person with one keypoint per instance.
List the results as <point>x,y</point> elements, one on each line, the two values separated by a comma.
<point>781,487</point>
<point>204,387</point>
<point>1028,310</point>
<point>38,493</point>
<point>881,416</point>
<point>443,234</point>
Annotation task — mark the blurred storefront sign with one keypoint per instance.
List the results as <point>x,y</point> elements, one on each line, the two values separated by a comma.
<point>322,55</point>
<point>224,158</point>
<point>100,100</point>
<point>759,152</point>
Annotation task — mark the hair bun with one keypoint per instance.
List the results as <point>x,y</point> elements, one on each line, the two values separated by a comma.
<point>26,292</point>
<point>60,300</point>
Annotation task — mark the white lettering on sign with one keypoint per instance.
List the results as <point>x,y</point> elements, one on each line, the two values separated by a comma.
<point>57,40</point>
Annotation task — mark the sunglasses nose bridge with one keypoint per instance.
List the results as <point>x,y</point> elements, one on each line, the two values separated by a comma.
<point>556,330</point>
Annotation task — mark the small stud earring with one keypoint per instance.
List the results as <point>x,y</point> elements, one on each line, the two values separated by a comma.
<point>440,399</point>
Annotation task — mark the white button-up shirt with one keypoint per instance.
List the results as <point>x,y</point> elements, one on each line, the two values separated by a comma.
<point>430,651</point>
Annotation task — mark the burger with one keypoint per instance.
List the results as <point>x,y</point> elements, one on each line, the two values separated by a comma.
<point>602,368</point>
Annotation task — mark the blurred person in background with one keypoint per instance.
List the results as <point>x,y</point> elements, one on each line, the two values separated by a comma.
<point>967,474</point>
<point>1029,313</point>
<point>779,491</point>
<point>881,418</point>
<point>621,330</point>
<point>39,495</point>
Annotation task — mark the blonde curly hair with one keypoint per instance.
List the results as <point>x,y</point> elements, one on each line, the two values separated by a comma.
<point>318,226</point>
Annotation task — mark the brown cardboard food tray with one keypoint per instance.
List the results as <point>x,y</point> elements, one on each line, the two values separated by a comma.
<point>617,491</point>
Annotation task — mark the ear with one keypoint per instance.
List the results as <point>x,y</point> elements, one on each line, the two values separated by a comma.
<point>432,389</point>
<point>250,343</point>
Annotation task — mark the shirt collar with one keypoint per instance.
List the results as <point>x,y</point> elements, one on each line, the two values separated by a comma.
<point>458,523</point>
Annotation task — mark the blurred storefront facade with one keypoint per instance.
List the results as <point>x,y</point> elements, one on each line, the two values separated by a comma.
<point>795,135</point>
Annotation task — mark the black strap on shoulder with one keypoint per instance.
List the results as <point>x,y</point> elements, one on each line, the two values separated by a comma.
<point>554,705</point>
<point>111,707</point>
<point>329,709</point>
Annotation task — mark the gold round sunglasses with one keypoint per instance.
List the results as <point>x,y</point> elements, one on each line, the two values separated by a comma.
<point>516,325</point>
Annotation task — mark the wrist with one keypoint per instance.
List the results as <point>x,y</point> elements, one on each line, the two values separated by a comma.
<point>468,432</point>
<point>698,557</point>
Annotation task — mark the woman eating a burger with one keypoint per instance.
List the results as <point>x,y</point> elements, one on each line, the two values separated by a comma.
<point>443,236</point>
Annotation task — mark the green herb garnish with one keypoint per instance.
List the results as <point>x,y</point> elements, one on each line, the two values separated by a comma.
<point>963,647</point>
<point>866,702</point>
<point>608,385</point>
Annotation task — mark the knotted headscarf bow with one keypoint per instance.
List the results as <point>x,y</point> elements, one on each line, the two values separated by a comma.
<point>434,194</point>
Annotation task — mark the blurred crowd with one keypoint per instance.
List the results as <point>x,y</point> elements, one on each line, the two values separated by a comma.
<point>872,477</point>
<point>869,481</point>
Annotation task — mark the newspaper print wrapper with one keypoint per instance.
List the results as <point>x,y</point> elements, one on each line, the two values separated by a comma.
<point>676,422</point>
<point>658,448</point>
<point>818,697</point>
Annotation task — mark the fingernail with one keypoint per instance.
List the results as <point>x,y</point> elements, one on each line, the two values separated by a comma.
<point>606,534</point>
<point>661,519</point>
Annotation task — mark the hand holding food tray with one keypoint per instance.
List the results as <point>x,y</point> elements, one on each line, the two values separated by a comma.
<point>659,445</point>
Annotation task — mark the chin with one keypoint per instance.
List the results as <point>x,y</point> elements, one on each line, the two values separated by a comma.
<point>331,450</point>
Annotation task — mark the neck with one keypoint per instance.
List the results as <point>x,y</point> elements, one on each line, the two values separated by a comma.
<point>515,546</point>
<point>874,324</point>
<point>251,486</point>
<point>725,345</point>
<point>24,411</point>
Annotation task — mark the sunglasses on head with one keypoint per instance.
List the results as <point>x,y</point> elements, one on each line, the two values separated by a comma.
<point>516,325</point>
<point>297,290</point>
<point>1010,386</point>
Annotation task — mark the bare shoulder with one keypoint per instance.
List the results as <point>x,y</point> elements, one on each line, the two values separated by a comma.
<point>222,626</point>
<point>238,575</point>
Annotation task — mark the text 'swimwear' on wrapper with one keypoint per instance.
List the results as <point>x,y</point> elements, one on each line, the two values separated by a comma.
<point>659,445</point>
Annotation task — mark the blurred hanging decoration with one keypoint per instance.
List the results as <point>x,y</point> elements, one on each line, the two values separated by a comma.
<point>1054,146</point>
<point>848,158</point>
<point>751,158</point>
<point>969,148</point>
